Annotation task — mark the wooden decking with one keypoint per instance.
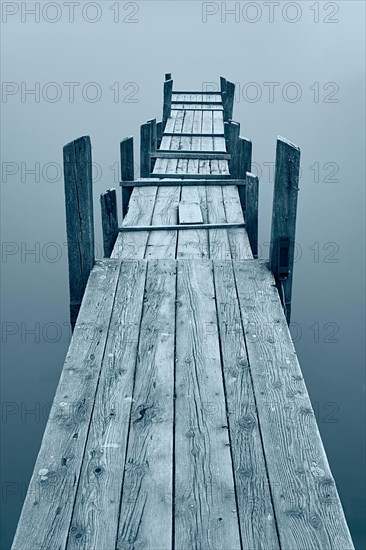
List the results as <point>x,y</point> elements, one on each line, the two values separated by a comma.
<point>182,419</point>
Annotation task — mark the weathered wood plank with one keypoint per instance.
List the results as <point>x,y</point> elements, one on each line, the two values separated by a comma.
<point>205,507</point>
<point>79,218</point>
<point>189,211</point>
<point>232,131</point>
<point>132,246</point>
<point>205,155</point>
<point>147,182</point>
<point>163,244</point>
<point>238,238</point>
<point>200,175</point>
<point>256,516</point>
<point>192,243</point>
<point>308,511</point>
<point>286,187</point>
<point>95,518</point>
<point>108,204</point>
<point>147,497</point>
<point>179,227</point>
<point>46,515</point>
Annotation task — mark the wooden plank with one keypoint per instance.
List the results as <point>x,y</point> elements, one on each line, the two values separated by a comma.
<point>197,107</point>
<point>202,176</point>
<point>218,238</point>
<point>108,204</point>
<point>256,516</point>
<point>132,246</point>
<point>46,515</point>
<point>79,218</point>
<point>199,103</point>
<point>306,503</point>
<point>238,238</point>
<point>198,93</point>
<point>97,504</point>
<point>192,243</point>
<point>205,155</point>
<point>163,244</point>
<point>218,123</point>
<point>205,507</point>
<point>194,134</point>
<point>127,170</point>
<point>147,497</point>
<point>180,227</point>
<point>284,211</point>
<point>230,95</point>
<point>189,210</point>
<point>167,181</point>
<point>251,211</point>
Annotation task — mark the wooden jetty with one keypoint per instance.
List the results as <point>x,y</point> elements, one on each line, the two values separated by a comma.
<point>182,419</point>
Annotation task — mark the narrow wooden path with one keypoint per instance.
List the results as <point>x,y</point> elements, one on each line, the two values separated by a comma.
<point>182,419</point>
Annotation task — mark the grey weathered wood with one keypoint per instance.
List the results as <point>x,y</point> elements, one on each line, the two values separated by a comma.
<point>229,106</point>
<point>167,105</point>
<point>108,204</point>
<point>159,132</point>
<point>132,245</point>
<point>46,515</point>
<point>205,508</point>
<point>154,135</point>
<point>146,182</point>
<point>192,134</point>
<point>306,503</point>
<point>232,131</point>
<point>214,108</point>
<point>201,176</point>
<point>95,517</point>
<point>251,211</point>
<point>205,155</point>
<point>284,211</point>
<point>245,165</point>
<point>145,150</point>
<point>127,170</point>
<point>168,76</point>
<point>239,241</point>
<point>186,102</point>
<point>197,93</point>
<point>147,496</point>
<point>163,244</point>
<point>79,218</point>
<point>180,227</point>
<point>256,516</point>
<point>190,211</point>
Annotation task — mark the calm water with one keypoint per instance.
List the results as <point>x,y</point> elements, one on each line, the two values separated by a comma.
<point>302,79</point>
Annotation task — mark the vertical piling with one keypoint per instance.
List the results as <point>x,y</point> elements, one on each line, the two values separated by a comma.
<point>168,91</point>
<point>79,218</point>
<point>108,204</point>
<point>245,165</point>
<point>251,211</point>
<point>127,170</point>
<point>232,131</point>
<point>282,247</point>
<point>145,150</point>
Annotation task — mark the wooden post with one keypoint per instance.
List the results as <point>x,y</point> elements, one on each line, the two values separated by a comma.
<point>282,247</point>
<point>230,95</point>
<point>154,140</point>
<point>223,82</point>
<point>168,90</point>
<point>79,219</point>
<point>245,165</point>
<point>145,150</point>
<point>168,76</point>
<point>232,131</point>
<point>108,204</point>
<point>251,211</point>
<point>127,170</point>
<point>159,133</point>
